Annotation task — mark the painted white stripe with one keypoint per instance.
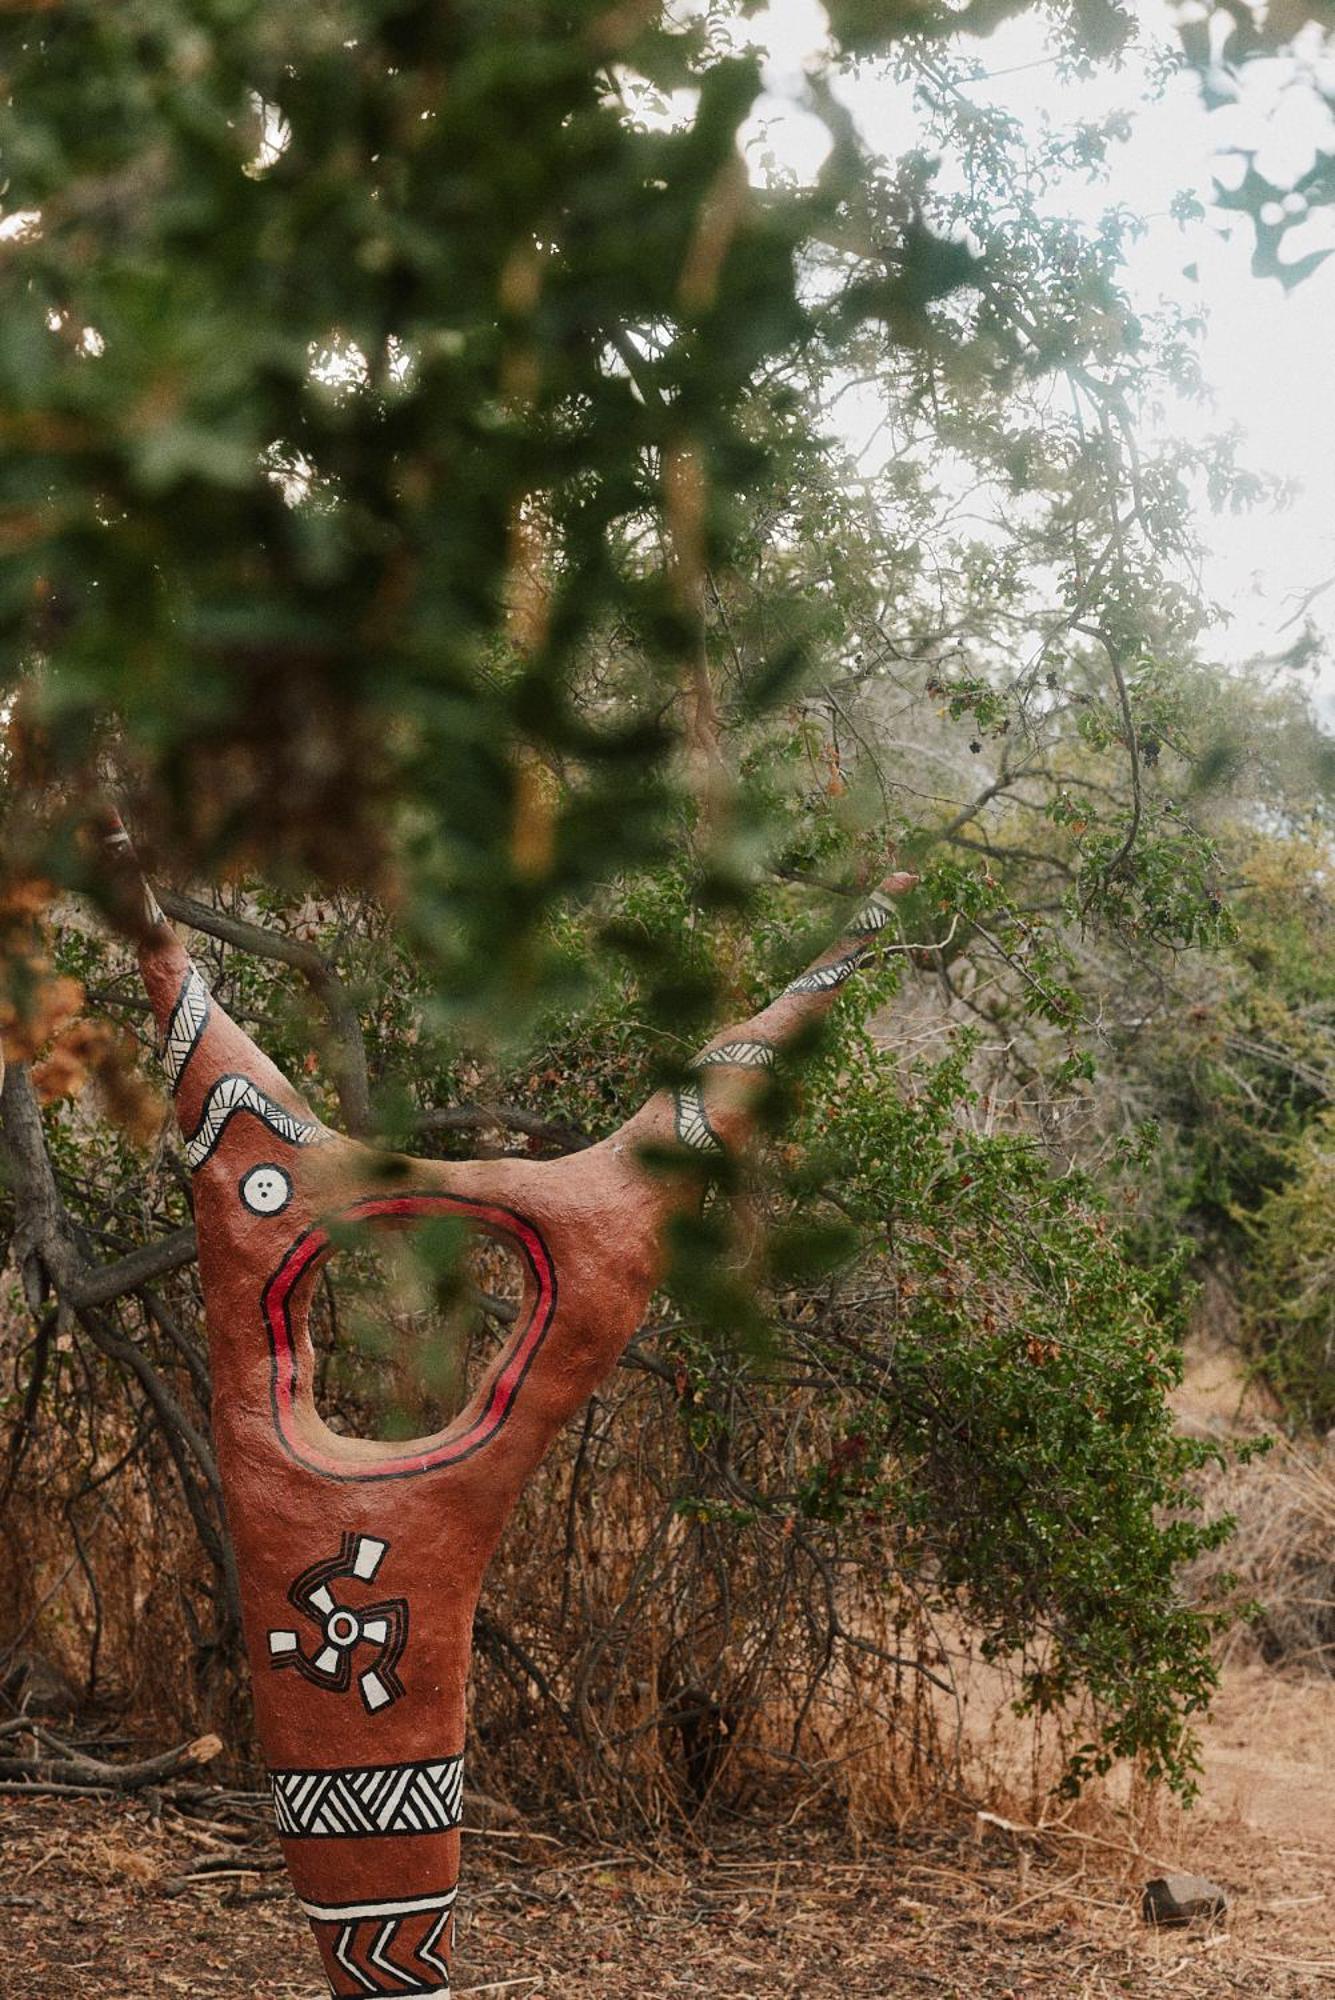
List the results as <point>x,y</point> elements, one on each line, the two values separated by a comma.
<point>329,1811</point>
<point>738,1055</point>
<point>232,1094</point>
<point>426,1951</point>
<point>376,1953</point>
<point>823,977</point>
<point>693,1126</point>
<point>388,1807</point>
<point>342,1952</point>
<point>296,1795</point>
<point>371,1786</point>
<point>334,1913</point>
<point>185,1025</point>
<point>874,915</point>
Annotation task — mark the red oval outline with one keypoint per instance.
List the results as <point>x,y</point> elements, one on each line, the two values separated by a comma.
<point>305,1255</point>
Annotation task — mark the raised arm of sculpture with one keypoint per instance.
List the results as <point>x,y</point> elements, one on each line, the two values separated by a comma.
<point>360,1563</point>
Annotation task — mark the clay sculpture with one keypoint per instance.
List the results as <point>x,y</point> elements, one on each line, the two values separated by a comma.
<point>360,1563</point>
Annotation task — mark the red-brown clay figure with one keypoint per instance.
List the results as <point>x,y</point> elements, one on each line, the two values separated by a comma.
<point>360,1563</point>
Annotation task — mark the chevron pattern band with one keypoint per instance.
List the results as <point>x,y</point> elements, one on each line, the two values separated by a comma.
<point>386,1946</point>
<point>737,1055</point>
<point>692,1120</point>
<point>231,1095</point>
<point>822,977</point>
<point>187,1023</point>
<point>373,1799</point>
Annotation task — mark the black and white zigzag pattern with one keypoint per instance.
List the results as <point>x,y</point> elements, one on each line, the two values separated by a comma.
<point>737,1055</point>
<point>189,1018</point>
<point>874,915</point>
<point>375,1799</point>
<point>232,1094</point>
<point>693,1126</point>
<point>379,1935</point>
<point>822,977</point>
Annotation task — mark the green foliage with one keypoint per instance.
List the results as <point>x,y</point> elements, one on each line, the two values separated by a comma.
<point>1011,1421</point>
<point>997,1428</point>
<point>335,322</point>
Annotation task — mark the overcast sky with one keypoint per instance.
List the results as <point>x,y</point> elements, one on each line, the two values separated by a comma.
<point>1268,355</point>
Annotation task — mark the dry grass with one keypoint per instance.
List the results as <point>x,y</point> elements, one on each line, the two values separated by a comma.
<point>1282,1555</point>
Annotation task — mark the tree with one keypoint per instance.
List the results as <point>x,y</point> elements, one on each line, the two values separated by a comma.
<point>423,513</point>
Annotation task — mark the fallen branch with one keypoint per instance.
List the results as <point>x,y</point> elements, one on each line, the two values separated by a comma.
<point>69,1770</point>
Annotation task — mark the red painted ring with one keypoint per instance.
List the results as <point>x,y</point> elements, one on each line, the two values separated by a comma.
<point>305,1255</point>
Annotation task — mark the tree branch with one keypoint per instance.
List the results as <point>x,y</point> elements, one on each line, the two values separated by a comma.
<point>140,1267</point>
<point>52,1268</point>
<point>477,1117</point>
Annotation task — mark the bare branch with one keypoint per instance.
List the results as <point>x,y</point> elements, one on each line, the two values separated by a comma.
<point>65,1768</point>
<point>128,1274</point>
<point>510,1118</point>
<point>53,1269</point>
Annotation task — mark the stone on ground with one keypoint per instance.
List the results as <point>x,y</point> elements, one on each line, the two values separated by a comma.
<point>1181,1899</point>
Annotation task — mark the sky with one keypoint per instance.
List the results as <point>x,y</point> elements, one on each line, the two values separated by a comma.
<point>1268,355</point>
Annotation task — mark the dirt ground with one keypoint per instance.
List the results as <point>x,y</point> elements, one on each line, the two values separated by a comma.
<point>94,1900</point>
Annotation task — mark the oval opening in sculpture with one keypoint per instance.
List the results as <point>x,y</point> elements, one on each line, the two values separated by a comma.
<point>406,1314</point>
<point>446,1225</point>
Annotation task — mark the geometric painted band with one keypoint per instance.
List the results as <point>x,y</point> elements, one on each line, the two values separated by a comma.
<point>233,1094</point>
<point>187,1022</point>
<point>396,1940</point>
<point>370,1800</point>
<point>693,1125</point>
<point>230,1094</point>
<point>874,915</point>
<point>822,978</point>
<point>691,1117</point>
<point>692,1120</point>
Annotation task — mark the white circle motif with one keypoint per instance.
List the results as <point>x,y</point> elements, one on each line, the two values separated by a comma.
<point>343,1628</point>
<point>265,1190</point>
